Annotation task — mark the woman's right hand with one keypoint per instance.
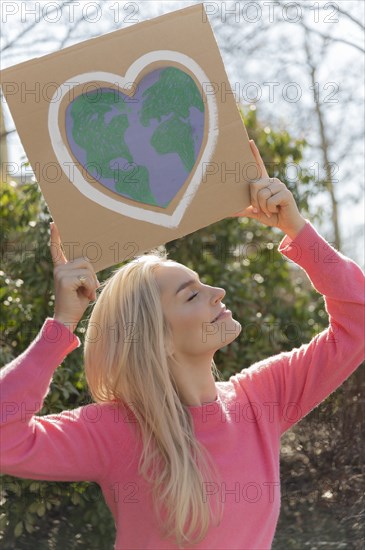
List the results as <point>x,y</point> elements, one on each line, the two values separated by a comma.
<point>72,296</point>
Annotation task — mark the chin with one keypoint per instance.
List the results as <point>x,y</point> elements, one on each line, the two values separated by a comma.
<point>232,332</point>
<point>238,328</point>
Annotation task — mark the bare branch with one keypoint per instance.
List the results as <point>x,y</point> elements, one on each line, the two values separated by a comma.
<point>353,138</point>
<point>324,142</point>
<point>351,17</point>
<point>5,134</point>
<point>31,26</point>
<point>70,31</point>
<point>333,38</point>
<point>339,10</point>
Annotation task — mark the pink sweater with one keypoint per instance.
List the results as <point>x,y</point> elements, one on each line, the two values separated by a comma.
<point>241,429</point>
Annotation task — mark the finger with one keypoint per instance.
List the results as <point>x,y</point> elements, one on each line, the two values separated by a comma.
<point>57,254</point>
<point>72,281</point>
<point>246,213</point>
<point>279,199</point>
<point>260,163</point>
<point>259,196</point>
<point>263,195</point>
<point>249,213</point>
<point>88,279</point>
<point>78,264</point>
<point>255,187</point>
<point>271,191</point>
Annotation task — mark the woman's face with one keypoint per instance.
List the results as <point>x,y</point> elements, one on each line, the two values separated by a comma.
<point>191,308</point>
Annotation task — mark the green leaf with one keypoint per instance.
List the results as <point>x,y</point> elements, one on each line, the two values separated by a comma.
<point>18,530</point>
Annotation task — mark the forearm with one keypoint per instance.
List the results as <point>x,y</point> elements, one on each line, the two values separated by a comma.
<point>338,278</point>
<point>305,376</point>
<point>26,379</point>
<point>64,446</point>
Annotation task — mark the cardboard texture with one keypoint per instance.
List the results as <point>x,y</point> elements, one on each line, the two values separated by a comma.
<point>135,136</point>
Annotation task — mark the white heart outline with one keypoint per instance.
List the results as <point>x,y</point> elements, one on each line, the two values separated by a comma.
<point>65,159</point>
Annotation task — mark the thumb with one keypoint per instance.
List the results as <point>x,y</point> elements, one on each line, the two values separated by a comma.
<point>57,254</point>
<point>247,213</point>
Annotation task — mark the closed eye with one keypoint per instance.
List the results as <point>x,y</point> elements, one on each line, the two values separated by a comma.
<point>193,296</point>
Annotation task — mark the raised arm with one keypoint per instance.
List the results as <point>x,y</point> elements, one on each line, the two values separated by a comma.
<point>68,446</point>
<point>289,385</point>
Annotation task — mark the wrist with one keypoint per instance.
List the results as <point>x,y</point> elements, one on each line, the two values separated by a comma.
<point>69,324</point>
<point>294,230</point>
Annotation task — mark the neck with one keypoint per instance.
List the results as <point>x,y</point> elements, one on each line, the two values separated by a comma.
<point>194,380</point>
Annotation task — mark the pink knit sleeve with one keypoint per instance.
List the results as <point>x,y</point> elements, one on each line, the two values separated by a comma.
<point>58,447</point>
<point>293,383</point>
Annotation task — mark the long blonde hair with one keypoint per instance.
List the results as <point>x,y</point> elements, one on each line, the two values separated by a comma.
<point>130,363</point>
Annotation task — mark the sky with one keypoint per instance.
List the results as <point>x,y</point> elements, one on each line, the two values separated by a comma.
<point>47,21</point>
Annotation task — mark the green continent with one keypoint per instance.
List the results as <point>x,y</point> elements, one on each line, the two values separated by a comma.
<point>174,136</point>
<point>174,93</point>
<point>103,143</point>
<point>134,182</point>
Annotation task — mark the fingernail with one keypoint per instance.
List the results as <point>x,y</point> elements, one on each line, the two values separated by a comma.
<point>255,210</point>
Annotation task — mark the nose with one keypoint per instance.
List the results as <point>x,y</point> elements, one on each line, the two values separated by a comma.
<point>219,294</point>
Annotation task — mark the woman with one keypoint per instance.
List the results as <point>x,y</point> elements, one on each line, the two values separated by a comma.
<point>182,460</point>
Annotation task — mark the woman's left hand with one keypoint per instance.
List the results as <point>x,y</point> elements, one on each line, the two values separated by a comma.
<point>271,201</point>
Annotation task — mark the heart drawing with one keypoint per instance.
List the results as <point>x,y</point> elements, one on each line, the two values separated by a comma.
<point>142,146</point>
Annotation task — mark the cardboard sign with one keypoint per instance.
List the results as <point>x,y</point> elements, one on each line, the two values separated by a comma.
<point>135,136</point>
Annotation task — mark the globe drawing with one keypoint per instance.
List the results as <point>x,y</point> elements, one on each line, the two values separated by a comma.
<point>142,147</point>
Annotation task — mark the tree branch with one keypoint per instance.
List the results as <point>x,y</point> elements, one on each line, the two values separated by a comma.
<point>31,26</point>
<point>332,38</point>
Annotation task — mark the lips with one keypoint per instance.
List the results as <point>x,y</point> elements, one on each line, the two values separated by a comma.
<point>223,310</point>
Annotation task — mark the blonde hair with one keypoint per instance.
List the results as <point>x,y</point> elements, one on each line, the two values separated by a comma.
<point>134,367</point>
